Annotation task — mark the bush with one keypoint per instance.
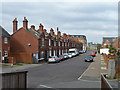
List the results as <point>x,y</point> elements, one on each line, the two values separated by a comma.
<point>112,50</point>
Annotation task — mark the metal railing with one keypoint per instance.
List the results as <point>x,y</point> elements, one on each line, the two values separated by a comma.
<point>104,83</point>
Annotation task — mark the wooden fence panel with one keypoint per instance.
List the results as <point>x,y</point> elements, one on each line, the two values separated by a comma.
<point>14,80</point>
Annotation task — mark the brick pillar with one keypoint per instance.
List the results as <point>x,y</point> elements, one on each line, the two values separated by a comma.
<point>41,28</point>
<point>25,23</point>
<point>15,25</point>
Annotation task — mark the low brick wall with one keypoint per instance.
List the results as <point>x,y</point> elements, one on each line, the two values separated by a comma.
<point>12,60</point>
<point>117,75</point>
<point>106,59</point>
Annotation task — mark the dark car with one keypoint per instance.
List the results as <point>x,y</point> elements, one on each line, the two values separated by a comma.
<point>61,57</point>
<point>88,58</point>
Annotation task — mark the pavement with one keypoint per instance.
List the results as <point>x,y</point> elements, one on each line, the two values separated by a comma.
<point>93,72</point>
<point>6,68</point>
<point>72,73</point>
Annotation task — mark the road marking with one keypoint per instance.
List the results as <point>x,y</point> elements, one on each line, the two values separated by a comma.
<point>84,73</point>
<point>103,63</point>
<point>103,68</point>
<point>45,86</point>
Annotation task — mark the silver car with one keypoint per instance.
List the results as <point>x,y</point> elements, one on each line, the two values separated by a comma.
<point>65,55</point>
<point>70,55</point>
<point>53,59</point>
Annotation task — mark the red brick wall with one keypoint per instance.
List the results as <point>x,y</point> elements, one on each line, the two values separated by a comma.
<point>23,57</point>
<point>5,47</point>
<point>20,48</point>
<point>20,42</point>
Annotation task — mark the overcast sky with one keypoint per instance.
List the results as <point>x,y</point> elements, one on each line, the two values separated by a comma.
<point>93,19</point>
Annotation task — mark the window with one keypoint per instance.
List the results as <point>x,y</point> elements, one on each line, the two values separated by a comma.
<point>42,41</point>
<point>49,42</point>
<point>54,52</point>
<point>54,43</point>
<point>59,52</point>
<point>5,53</point>
<point>5,40</point>
<point>62,43</point>
<point>59,43</point>
<point>50,52</point>
<point>66,50</point>
<point>68,43</point>
<point>42,54</point>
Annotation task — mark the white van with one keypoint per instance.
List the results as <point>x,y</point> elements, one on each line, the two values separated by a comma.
<point>73,51</point>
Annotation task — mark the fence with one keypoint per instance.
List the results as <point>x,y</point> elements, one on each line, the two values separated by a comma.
<point>105,84</point>
<point>14,80</point>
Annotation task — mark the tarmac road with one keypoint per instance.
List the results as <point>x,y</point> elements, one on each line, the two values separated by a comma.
<point>54,73</point>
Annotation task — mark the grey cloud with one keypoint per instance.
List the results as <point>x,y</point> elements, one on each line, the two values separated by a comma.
<point>69,17</point>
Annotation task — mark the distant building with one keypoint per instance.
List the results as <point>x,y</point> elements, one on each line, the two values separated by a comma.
<point>92,46</point>
<point>82,39</point>
<point>107,41</point>
<point>90,43</point>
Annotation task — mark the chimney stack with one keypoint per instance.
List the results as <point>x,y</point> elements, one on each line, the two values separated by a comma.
<point>15,25</point>
<point>25,23</point>
<point>64,35</point>
<point>51,31</point>
<point>68,35</point>
<point>59,33</point>
<point>41,28</point>
<point>45,31</point>
<point>33,27</point>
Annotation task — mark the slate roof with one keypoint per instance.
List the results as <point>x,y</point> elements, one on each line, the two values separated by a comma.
<point>33,32</point>
<point>3,32</point>
<point>78,36</point>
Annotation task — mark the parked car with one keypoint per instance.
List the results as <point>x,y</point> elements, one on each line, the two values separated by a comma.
<point>95,52</point>
<point>84,51</point>
<point>81,52</point>
<point>88,58</point>
<point>70,55</point>
<point>74,51</point>
<point>53,59</point>
<point>92,54</point>
<point>61,57</point>
<point>65,55</point>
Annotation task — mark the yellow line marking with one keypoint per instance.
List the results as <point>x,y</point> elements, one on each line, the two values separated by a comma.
<point>103,63</point>
<point>103,68</point>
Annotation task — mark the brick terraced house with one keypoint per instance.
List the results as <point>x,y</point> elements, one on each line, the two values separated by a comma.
<point>29,45</point>
<point>5,40</point>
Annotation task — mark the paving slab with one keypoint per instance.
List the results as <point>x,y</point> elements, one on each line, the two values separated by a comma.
<point>93,73</point>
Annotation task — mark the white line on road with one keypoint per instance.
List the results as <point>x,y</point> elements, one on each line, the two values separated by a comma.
<point>84,73</point>
<point>45,86</point>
